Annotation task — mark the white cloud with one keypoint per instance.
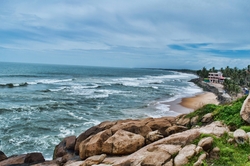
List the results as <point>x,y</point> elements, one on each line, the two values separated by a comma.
<point>129,28</point>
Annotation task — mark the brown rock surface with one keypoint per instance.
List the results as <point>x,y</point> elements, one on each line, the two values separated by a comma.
<point>175,129</point>
<point>91,131</point>
<point>160,124</point>
<point>153,136</point>
<point>183,121</point>
<point>94,144</point>
<point>186,153</point>
<point>65,146</point>
<point>122,143</point>
<point>30,158</point>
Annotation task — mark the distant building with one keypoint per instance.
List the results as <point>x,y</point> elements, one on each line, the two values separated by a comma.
<point>216,77</point>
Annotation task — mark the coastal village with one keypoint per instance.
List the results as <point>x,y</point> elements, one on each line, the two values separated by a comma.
<point>211,135</point>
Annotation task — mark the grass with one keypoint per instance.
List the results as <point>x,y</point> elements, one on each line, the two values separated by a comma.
<point>228,114</point>
<point>230,154</point>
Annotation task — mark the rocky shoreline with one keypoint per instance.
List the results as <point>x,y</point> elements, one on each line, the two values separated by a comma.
<point>221,96</point>
<point>151,141</point>
<point>167,141</point>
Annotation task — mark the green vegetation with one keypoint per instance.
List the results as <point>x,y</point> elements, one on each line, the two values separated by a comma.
<point>230,153</point>
<point>236,77</point>
<point>228,113</point>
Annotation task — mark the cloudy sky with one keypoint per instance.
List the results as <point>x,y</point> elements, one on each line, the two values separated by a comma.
<point>142,33</point>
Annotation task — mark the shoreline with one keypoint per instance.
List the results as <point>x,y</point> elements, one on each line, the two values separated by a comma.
<point>189,104</point>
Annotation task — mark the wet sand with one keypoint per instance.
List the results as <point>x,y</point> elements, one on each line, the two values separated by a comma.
<point>189,104</point>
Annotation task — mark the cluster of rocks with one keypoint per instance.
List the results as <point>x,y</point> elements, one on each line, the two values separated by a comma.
<point>166,141</point>
<point>151,141</point>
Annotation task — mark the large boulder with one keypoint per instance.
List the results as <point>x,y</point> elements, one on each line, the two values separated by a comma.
<point>66,146</point>
<point>123,143</point>
<point>94,144</point>
<point>184,155</point>
<point>206,143</point>
<point>133,126</point>
<point>245,110</point>
<point>156,158</point>
<point>92,131</point>
<point>160,124</point>
<point>30,158</point>
<point>216,128</point>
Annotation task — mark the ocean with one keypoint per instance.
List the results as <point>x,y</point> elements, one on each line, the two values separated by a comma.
<point>41,104</point>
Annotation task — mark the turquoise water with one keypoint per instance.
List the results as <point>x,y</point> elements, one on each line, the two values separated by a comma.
<point>41,104</point>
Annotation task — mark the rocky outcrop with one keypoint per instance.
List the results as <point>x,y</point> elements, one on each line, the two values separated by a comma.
<point>123,143</point>
<point>164,141</point>
<point>30,158</point>
<point>245,110</point>
<point>94,144</point>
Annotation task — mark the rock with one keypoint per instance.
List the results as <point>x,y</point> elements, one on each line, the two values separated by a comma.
<point>122,143</point>
<point>67,157</point>
<point>160,124</point>
<point>183,121</point>
<point>65,146</point>
<point>240,136</point>
<point>186,153</point>
<point>245,110</point>
<point>198,149</point>
<point>94,144</point>
<point>156,158</point>
<point>153,136</point>
<point>194,120</point>
<point>216,128</point>
<point>34,158</point>
<point>94,160</point>
<point>74,163</point>
<point>182,138</point>
<point>200,160</point>
<point>169,163</point>
<point>206,143</point>
<point>175,129</point>
<point>48,163</point>
<point>133,126</point>
<point>171,149</point>
<point>91,131</point>
<point>215,153</point>
<point>207,118</point>
<point>2,156</point>
<point>30,158</point>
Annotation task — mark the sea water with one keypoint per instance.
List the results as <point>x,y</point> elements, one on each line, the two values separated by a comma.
<point>42,104</point>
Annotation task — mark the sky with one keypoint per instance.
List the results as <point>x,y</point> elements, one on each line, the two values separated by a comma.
<point>188,34</point>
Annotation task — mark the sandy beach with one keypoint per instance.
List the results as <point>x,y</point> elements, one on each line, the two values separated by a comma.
<point>199,100</point>
<point>189,104</point>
